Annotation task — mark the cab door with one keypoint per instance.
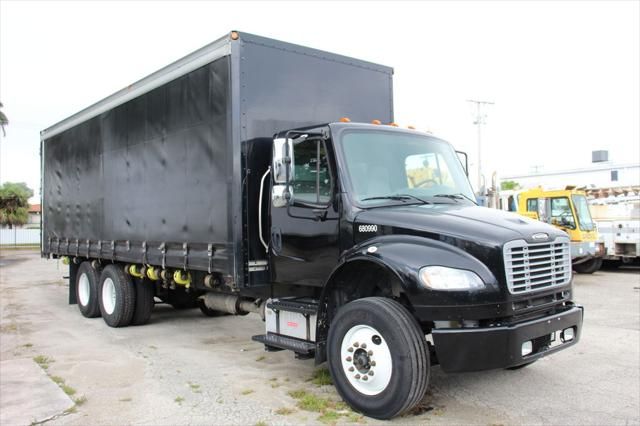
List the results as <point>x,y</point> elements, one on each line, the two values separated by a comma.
<point>304,233</point>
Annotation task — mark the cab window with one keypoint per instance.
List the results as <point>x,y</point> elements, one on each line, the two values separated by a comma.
<point>532,205</point>
<point>425,170</point>
<point>311,177</point>
<point>561,213</point>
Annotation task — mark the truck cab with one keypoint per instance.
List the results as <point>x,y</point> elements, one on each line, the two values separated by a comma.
<point>362,215</point>
<point>566,209</point>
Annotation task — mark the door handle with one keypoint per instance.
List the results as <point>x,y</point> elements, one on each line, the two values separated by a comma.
<point>320,214</point>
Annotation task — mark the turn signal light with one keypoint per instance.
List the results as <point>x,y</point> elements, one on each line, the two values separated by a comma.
<point>411,127</point>
<point>393,124</point>
<point>376,122</point>
<point>345,120</point>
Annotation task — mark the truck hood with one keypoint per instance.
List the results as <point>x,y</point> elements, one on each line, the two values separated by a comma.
<point>458,221</point>
<point>480,231</point>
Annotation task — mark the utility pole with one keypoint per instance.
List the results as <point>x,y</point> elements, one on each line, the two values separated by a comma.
<point>480,119</point>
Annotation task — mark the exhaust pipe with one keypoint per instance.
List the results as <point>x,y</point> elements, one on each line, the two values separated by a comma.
<point>233,304</point>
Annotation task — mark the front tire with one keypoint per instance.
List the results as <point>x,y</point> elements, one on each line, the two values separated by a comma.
<point>87,290</point>
<point>588,267</point>
<point>117,297</point>
<point>378,357</point>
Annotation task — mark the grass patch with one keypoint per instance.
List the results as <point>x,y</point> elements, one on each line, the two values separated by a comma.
<point>321,377</point>
<point>284,411</point>
<point>71,410</point>
<point>179,400</point>
<point>127,399</point>
<point>43,361</point>
<point>67,389</point>
<point>247,391</point>
<point>57,380</point>
<point>81,400</point>
<point>194,387</point>
<point>275,385</point>
<point>27,345</point>
<point>297,394</point>
<point>261,423</point>
<point>330,417</point>
<point>331,411</point>
<point>261,358</point>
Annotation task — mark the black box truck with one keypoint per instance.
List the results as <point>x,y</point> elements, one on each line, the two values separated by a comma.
<point>260,176</point>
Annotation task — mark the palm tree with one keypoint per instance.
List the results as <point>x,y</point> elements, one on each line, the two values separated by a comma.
<point>3,120</point>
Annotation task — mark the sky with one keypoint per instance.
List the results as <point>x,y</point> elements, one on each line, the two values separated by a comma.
<point>564,77</point>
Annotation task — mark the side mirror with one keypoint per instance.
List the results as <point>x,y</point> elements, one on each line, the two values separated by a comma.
<point>282,158</point>
<point>465,163</point>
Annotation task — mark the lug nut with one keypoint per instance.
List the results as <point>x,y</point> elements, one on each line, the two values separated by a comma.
<point>356,344</point>
<point>370,372</point>
<point>357,376</point>
<point>349,359</point>
<point>351,369</point>
<point>365,378</point>
<point>364,346</point>
<point>370,352</point>
<point>350,350</point>
<point>373,363</point>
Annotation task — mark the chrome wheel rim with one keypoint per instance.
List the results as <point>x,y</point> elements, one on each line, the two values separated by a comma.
<point>366,359</point>
<point>108,296</point>
<point>84,290</point>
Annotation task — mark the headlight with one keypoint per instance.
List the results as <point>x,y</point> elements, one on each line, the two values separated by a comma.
<point>443,278</point>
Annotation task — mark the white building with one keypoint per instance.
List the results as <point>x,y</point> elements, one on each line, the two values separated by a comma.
<point>597,175</point>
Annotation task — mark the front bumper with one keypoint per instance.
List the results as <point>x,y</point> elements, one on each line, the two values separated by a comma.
<point>475,349</point>
<point>584,250</point>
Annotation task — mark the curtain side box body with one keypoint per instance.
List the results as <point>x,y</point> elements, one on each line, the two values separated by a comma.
<point>165,171</point>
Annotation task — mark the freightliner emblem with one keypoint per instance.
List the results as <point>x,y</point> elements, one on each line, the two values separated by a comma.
<point>540,236</point>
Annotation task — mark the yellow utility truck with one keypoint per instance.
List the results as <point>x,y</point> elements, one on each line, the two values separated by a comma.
<point>568,210</point>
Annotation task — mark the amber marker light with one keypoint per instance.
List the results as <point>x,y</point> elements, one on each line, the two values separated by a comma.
<point>376,122</point>
<point>393,125</point>
<point>345,120</point>
<point>411,127</point>
<point>234,35</point>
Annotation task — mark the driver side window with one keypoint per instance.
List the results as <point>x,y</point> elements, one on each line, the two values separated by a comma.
<point>311,177</point>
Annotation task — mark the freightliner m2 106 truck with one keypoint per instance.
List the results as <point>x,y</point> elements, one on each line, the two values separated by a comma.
<point>228,180</point>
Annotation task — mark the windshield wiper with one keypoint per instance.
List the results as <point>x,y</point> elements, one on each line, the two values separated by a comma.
<point>398,197</point>
<point>458,196</point>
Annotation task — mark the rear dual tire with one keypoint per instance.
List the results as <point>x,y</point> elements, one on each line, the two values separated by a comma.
<point>88,290</point>
<point>394,358</point>
<point>117,297</point>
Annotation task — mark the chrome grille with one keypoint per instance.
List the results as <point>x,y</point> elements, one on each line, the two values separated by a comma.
<point>530,267</point>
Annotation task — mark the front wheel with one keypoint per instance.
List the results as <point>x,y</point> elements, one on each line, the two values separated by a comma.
<point>588,267</point>
<point>378,357</point>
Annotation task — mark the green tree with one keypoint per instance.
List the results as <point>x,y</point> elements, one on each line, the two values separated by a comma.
<point>3,120</point>
<point>14,203</point>
<point>509,184</point>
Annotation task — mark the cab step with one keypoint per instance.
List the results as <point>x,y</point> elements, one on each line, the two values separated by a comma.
<point>277,342</point>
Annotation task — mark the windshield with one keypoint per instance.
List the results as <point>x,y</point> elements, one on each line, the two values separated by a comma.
<point>582,210</point>
<point>384,164</point>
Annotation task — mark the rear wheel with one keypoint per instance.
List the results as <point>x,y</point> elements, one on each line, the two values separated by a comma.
<point>117,297</point>
<point>87,290</point>
<point>145,292</point>
<point>588,267</point>
<point>378,357</point>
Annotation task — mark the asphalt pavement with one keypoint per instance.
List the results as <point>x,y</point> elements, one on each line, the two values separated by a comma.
<point>184,368</point>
